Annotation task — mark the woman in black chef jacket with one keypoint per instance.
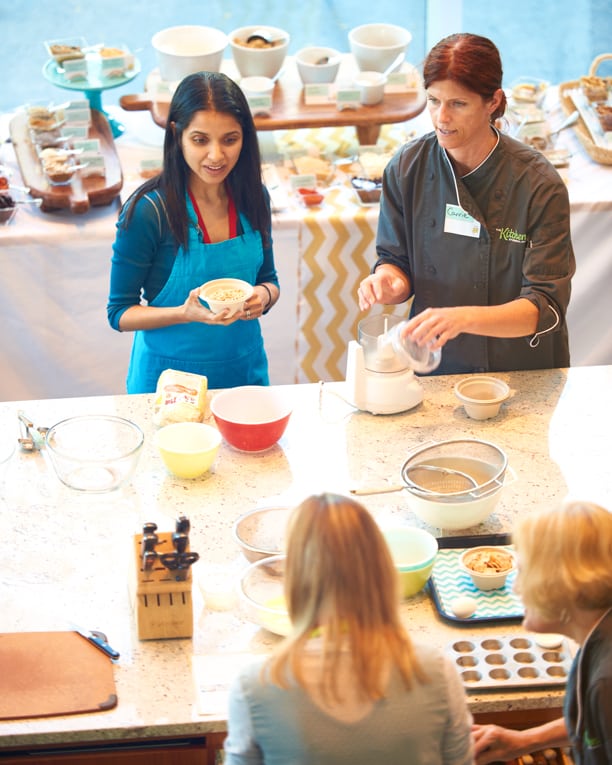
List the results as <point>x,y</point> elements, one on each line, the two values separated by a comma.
<point>474,226</point>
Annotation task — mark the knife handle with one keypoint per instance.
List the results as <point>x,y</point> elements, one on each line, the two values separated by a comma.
<point>100,642</point>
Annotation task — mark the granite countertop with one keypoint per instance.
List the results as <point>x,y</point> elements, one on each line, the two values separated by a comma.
<point>67,556</point>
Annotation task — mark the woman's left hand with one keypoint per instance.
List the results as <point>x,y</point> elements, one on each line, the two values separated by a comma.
<point>255,305</point>
<point>253,308</point>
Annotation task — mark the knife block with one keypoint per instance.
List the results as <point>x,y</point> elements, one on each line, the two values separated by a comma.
<point>162,605</point>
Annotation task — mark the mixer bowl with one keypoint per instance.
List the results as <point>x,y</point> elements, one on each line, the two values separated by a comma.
<point>386,350</point>
<point>378,355</point>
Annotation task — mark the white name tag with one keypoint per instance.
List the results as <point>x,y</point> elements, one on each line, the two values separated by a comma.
<point>458,221</point>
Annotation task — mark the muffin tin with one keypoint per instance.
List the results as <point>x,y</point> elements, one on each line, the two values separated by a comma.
<point>513,661</point>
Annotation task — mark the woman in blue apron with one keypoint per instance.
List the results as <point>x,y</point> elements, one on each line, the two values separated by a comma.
<point>206,216</point>
<point>474,226</point>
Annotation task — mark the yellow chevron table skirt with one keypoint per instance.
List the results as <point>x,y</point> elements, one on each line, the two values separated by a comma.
<point>337,250</point>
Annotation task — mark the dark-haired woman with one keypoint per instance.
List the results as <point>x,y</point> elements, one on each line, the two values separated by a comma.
<point>206,216</point>
<point>474,226</point>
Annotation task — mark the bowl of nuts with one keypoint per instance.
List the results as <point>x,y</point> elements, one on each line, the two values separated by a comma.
<point>488,566</point>
<point>226,294</point>
<point>259,51</point>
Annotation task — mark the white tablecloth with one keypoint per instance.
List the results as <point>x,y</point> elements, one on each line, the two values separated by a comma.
<point>54,271</point>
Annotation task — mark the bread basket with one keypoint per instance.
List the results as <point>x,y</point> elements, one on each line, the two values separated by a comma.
<point>596,152</point>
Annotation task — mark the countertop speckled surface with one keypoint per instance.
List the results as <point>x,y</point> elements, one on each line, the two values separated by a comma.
<point>67,556</point>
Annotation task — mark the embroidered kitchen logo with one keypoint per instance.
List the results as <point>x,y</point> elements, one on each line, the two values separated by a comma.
<point>510,235</point>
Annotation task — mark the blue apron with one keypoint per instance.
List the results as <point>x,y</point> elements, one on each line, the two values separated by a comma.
<point>228,356</point>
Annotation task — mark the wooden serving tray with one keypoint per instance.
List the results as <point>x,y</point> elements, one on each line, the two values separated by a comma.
<point>81,193</point>
<point>289,112</point>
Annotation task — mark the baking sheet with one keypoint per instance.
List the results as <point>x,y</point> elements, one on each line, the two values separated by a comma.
<point>448,582</point>
<point>513,661</point>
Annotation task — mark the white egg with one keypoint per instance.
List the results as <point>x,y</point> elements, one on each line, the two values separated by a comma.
<point>463,606</point>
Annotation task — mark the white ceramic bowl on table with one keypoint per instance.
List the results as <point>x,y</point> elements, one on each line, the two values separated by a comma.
<point>488,566</point>
<point>94,453</point>
<point>254,61</point>
<point>261,595</point>
<point>255,86</point>
<point>317,64</point>
<point>481,395</point>
<point>454,484</point>
<point>375,46</point>
<point>184,50</point>
<point>222,294</point>
<point>260,533</point>
<point>371,87</point>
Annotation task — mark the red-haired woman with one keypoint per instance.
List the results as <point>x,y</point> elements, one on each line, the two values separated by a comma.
<point>474,226</point>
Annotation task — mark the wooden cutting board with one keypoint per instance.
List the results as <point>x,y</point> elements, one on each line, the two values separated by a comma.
<point>82,193</point>
<point>53,673</point>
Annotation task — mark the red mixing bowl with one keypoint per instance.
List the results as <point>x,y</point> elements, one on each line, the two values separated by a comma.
<point>251,418</point>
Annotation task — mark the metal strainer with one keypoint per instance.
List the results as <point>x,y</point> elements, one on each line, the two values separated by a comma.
<point>458,470</point>
<point>436,479</point>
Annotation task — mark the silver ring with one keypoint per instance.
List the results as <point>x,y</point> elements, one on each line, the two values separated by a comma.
<point>248,313</point>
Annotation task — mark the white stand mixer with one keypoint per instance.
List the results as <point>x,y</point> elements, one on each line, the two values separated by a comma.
<point>377,379</point>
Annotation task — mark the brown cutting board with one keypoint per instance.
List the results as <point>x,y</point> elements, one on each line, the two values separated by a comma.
<point>53,673</point>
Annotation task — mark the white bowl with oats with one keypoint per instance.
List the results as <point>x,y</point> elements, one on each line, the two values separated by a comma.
<point>222,294</point>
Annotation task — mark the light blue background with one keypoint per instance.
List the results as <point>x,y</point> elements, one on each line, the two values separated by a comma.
<point>553,40</point>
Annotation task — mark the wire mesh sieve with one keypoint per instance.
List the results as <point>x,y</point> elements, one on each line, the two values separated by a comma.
<point>436,479</point>
<point>454,470</point>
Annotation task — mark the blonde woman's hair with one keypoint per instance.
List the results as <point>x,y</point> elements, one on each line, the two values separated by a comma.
<point>565,558</point>
<point>340,578</point>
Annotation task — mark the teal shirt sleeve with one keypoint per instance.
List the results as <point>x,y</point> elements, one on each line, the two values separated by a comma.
<point>143,255</point>
<point>267,272</point>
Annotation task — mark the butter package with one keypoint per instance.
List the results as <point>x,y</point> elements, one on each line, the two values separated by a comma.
<point>179,397</point>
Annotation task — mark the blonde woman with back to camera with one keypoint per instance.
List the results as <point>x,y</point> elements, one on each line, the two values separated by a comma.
<point>565,581</point>
<point>348,685</point>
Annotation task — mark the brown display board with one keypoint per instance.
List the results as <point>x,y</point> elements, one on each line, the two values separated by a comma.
<point>53,673</point>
